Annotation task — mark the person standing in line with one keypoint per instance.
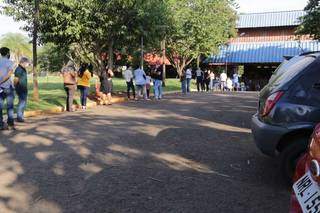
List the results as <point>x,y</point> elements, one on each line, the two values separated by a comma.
<point>6,89</point>
<point>128,76</point>
<point>223,81</point>
<point>207,80</point>
<point>69,80</point>
<point>148,84</point>
<point>229,84</point>
<point>183,80</point>
<point>21,87</point>
<point>158,77</point>
<point>109,90</point>
<point>212,79</point>
<point>84,76</point>
<point>188,78</point>
<point>236,81</point>
<point>140,79</point>
<point>199,76</point>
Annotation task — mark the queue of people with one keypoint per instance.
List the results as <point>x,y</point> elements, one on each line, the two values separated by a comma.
<point>140,82</point>
<point>10,88</point>
<point>208,81</point>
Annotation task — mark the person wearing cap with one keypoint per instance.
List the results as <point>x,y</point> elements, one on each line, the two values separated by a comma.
<point>6,88</point>
<point>21,87</point>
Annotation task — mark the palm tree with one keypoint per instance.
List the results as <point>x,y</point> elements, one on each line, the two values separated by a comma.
<point>19,45</point>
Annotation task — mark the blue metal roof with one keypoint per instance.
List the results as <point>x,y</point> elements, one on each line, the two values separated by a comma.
<point>262,52</point>
<point>270,19</point>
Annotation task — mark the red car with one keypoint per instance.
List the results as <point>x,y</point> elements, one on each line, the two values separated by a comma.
<point>306,187</point>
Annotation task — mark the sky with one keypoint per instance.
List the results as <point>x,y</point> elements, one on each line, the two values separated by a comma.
<point>8,25</point>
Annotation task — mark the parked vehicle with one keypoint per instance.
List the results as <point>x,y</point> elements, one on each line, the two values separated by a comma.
<point>306,188</point>
<point>289,109</point>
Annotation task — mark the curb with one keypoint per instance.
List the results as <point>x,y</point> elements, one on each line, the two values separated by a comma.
<point>58,110</point>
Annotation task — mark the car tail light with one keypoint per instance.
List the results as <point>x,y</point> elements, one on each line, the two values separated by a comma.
<point>315,168</point>
<point>271,102</point>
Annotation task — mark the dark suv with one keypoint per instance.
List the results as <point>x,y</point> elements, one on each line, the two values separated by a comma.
<point>289,109</point>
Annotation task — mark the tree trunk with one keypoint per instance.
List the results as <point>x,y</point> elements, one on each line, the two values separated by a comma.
<point>163,46</point>
<point>198,62</point>
<point>142,52</point>
<point>110,54</point>
<point>34,49</point>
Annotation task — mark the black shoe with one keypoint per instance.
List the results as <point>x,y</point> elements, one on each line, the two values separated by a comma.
<point>20,120</point>
<point>4,128</point>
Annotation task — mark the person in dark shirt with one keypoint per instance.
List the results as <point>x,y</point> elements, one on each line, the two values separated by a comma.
<point>158,78</point>
<point>21,86</point>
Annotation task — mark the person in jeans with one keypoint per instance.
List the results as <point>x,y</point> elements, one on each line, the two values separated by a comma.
<point>6,88</point>
<point>183,80</point>
<point>158,77</point>
<point>188,78</point>
<point>212,79</point>
<point>128,76</point>
<point>69,79</point>
<point>21,86</point>
<point>199,75</point>
<point>84,76</point>
<point>140,79</point>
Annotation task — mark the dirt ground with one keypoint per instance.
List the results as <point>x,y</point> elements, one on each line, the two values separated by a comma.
<point>182,154</point>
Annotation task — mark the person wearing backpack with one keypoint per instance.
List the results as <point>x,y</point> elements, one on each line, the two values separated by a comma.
<point>140,79</point>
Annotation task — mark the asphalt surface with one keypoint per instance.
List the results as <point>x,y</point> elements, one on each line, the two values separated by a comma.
<point>182,154</point>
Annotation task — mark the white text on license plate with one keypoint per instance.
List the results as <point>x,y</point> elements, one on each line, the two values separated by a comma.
<point>308,194</point>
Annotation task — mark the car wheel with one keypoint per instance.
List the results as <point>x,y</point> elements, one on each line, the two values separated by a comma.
<point>289,157</point>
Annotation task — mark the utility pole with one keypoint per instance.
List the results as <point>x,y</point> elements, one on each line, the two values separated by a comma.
<point>142,54</point>
<point>34,50</point>
<point>163,46</point>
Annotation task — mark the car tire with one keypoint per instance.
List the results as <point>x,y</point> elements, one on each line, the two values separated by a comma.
<point>289,157</point>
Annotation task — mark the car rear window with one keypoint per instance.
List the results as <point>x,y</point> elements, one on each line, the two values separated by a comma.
<point>290,69</point>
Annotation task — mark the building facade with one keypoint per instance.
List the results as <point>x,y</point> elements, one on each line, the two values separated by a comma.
<point>264,40</point>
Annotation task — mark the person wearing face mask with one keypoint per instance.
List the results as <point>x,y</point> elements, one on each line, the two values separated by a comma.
<point>6,88</point>
<point>21,87</point>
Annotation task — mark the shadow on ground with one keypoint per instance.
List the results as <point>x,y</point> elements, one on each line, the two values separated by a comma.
<point>184,154</point>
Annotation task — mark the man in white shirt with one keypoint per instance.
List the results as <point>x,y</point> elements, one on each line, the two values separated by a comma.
<point>223,81</point>
<point>140,79</point>
<point>128,76</point>
<point>212,78</point>
<point>188,78</point>
<point>236,81</point>
<point>6,88</point>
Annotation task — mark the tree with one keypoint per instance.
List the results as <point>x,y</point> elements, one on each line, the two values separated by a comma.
<point>53,57</point>
<point>27,10</point>
<point>310,22</point>
<point>94,27</point>
<point>18,44</point>
<point>198,27</point>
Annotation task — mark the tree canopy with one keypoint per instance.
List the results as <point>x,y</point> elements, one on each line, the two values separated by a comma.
<point>95,26</point>
<point>310,22</point>
<point>198,27</point>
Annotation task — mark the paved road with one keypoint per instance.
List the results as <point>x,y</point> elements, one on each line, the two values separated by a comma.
<point>183,154</point>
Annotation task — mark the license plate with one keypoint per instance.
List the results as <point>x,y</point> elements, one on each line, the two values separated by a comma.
<point>307,192</point>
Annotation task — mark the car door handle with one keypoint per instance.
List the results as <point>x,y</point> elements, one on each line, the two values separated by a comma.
<point>316,86</point>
